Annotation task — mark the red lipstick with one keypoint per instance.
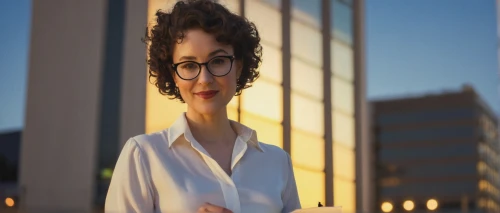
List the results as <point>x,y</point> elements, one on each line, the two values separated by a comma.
<point>206,94</point>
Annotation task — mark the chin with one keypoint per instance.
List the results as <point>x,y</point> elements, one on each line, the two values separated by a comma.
<point>208,109</point>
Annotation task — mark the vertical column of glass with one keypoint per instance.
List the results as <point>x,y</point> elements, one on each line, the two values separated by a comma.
<point>232,107</point>
<point>262,104</point>
<point>307,115</point>
<point>160,111</point>
<point>343,104</point>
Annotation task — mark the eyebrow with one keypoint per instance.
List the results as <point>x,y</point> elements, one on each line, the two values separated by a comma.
<point>209,55</point>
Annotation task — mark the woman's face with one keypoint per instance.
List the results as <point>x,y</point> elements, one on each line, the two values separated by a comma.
<point>205,94</point>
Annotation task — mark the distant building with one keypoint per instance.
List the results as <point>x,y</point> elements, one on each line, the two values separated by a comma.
<point>436,151</point>
<point>10,143</point>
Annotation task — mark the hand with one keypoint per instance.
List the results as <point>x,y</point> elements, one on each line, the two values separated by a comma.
<point>210,208</point>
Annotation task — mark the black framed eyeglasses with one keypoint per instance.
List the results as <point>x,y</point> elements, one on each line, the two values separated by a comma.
<point>217,66</point>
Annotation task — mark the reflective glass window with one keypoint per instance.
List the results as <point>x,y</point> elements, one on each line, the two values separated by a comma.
<point>268,131</point>
<point>307,79</point>
<point>342,60</point>
<point>421,134</point>
<point>343,129</point>
<point>307,114</point>
<point>344,193</point>
<point>267,19</point>
<point>232,113</point>
<point>447,151</point>
<point>272,65</point>
<point>431,189</point>
<point>275,3</point>
<point>307,11</point>
<point>306,43</point>
<point>265,99</point>
<point>342,21</point>
<point>308,150</point>
<point>438,170</point>
<point>342,95</point>
<point>311,187</point>
<point>424,116</point>
<point>344,164</point>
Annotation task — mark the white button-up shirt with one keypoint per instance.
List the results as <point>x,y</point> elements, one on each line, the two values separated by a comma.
<point>170,172</point>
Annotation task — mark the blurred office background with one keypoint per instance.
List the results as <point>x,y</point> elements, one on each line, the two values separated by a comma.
<point>384,106</point>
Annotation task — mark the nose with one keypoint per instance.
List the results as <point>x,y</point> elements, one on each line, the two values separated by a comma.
<point>205,76</point>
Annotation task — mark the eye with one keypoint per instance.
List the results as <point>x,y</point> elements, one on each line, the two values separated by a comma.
<point>219,61</point>
<point>189,66</point>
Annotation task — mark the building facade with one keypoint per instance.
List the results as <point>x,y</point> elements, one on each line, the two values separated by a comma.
<point>436,151</point>
<point>309,99</point>
<point>10,142</point>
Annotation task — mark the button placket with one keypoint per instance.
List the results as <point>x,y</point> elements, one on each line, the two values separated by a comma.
<point>229,190</point>
<point>228,187</point>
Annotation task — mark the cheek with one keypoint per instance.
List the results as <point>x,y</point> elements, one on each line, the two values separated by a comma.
<point>184,88</point>
<point>231,82</point>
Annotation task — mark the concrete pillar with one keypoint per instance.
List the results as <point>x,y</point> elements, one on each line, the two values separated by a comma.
<point>67,113</point>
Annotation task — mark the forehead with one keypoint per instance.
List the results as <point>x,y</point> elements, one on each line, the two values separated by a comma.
<point>198,43</point>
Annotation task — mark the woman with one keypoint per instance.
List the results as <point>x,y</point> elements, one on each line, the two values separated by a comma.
<point>203,55</point>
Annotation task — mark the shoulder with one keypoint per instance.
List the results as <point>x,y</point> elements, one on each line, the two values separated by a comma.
<point>271,148</point>
<point>148,142</point>
<point>275,152</point>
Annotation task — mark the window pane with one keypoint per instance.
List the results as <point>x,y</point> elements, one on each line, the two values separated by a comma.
<point>307,79</point>
<point>348,2</point>
<point>439,169</point>
<point>155,5</point>
<point>415,153</point>
<point>307,115</point>
<point>234,102</point>
<point>429,133</point>
<point>342,60</point>
<point>431,189</point>
<point>344,194</point>
<point>232,113</point>
<point>308,150</point>
<point>397,118</point>
<point>342,21</point>
<point>267,19</point>
<point>268,131</point>
<point>343,162</point>
<point>274,3</point>
<point>264,99</point>
<point>307,11</point>
<point>343,129</point>
<point>232,5</point>
<point>342,95</point>
<point>271,67</point>
<point>306,43</point>
<point>161,112</point>
<point>311,187</point>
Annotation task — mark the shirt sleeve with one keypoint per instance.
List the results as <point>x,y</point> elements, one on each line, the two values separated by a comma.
<point>130,189</point>
<point>291,200</point>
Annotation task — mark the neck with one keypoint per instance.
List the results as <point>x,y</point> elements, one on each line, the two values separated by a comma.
<point>213,128</point>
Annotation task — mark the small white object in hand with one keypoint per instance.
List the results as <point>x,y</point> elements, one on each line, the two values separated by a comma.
<point>336,209</point>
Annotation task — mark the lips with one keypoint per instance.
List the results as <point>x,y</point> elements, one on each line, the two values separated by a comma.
<point>206,94</point>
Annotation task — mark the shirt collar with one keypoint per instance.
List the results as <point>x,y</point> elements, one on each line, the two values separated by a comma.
<point>180,127</point>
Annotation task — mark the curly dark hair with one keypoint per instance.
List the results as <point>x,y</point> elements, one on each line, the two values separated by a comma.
<point>213,18</point>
